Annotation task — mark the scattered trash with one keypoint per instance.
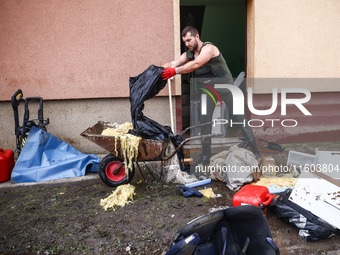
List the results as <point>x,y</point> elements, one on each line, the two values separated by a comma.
<point>314,192</point>
<point>217,196</point>
<point>208,192</point>
<point>6,164</point>
<point>214,209</point>
<point>328,162</point>
<point>187,192</point>
<point>311,227</point>
<point>253,195</point>
<point>299,160</point>
<point>268,166</point>
<point>273,146</point>
<point>119,197</point>
<point>118,130</point>
<point>128,249</point>
<point>277,184</point>
<point>128,143</point>
<point>233,167</point>
<point>198,183</point>
<point>173,173</point>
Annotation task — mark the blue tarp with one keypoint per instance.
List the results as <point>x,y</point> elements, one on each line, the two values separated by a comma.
<point>44,157</point>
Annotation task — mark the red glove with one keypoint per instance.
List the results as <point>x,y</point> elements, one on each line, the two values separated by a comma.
<point>168,72</point>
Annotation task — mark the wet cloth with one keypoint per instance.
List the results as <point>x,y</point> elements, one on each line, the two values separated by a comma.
<point>233,167</point>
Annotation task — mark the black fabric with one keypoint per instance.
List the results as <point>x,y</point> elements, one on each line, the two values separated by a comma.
<point>186,246</point>
<point>190,54</point>
<point>231,229</point>
<point>206,249</point>
<point>143,87</point>
<point>215,67</point>
<point>312,228</point>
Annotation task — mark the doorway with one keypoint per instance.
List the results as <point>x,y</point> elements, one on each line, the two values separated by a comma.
<point>222,22</point>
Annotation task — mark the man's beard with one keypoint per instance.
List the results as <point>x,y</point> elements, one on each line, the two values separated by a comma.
<point>195,45</point>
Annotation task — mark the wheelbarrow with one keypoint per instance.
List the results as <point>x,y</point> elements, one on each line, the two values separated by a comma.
<point>112,168</point>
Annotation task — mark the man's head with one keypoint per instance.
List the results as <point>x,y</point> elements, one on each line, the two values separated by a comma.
<point>191,37</point>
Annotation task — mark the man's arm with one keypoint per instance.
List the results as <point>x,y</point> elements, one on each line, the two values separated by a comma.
<point>180,61</point>
<point>183,65</point>
<point>206,54</point>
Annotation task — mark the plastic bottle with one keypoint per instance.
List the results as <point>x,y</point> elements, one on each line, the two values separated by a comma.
<point>6,164</point>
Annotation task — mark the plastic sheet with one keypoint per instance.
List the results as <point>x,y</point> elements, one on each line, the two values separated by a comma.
<point>143,87</point>
<point>45,157</point>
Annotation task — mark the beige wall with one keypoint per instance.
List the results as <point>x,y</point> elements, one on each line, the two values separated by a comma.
<point>81,48</point>
<point>68,118</point>
<point>294,39</point>
<point>78,55</point>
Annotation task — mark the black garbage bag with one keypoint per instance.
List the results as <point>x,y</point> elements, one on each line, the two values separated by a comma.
<point>311,227</point>
<point>143,87</point>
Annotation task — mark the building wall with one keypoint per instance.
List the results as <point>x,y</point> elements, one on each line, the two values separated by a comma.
<point>295,39</point>
<point>78,55</point>
<point>81,49</point>
<point>69,118</point>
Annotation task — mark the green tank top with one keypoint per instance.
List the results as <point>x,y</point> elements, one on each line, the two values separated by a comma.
<point>215,67</point>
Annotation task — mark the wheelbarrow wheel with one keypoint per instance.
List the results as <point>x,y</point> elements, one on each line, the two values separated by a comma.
<point>111,175</point>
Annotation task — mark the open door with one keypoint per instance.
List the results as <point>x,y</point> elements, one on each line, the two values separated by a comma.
<point>222,22</point>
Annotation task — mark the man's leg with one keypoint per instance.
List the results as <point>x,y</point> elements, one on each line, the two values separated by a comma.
<point>206,130</point>
<point>240,119</point>
<point>248,134</point>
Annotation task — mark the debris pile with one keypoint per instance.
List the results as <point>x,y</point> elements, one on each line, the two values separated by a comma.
<point>129,143</point>
<point>208,192</point>
<point>120,197</point>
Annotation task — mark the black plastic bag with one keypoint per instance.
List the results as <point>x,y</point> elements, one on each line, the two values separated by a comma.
<point>143,87</point>
<point>311,227</point>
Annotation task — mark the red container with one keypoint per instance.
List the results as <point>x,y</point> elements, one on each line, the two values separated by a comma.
<point>6,164</point>
<point>253,195</point>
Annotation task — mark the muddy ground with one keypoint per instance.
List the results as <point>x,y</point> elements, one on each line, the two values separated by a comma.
<point>66,218</point>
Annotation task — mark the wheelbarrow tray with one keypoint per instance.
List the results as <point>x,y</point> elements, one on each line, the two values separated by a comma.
<point>148,150</point>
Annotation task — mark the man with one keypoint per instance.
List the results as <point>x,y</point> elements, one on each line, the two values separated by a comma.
<point>204,60</point>
<point>200,55</point>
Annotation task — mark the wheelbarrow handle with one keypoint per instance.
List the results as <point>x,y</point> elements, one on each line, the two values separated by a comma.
<point>196,126</point>
<point>202,137</point>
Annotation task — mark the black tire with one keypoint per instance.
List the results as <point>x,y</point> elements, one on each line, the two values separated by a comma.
<point>108,165</point>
